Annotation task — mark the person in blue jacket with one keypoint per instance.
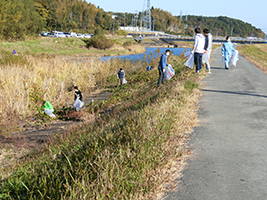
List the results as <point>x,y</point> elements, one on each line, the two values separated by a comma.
<point>227,51</point>
<point>162,66</point>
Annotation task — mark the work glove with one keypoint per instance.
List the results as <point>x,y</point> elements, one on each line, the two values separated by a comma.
<point>192,52</point>
<point>164,70</point>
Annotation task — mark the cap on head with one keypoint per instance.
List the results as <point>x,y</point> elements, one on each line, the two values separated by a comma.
<point>44,102</point>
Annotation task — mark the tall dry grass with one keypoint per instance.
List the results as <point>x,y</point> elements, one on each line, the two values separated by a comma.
<point>23,85</point>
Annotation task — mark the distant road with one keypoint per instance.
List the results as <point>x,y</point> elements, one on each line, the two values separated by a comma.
<point>229,159</point>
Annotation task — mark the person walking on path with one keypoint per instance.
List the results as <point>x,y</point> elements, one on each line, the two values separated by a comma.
<point>120,76</point>
<point>198,49</point>
<point>208,48</point>
<point>162,66</point>
<point>227,51</point>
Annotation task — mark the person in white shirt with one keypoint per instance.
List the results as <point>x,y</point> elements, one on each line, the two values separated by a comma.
<point>198,49</point>
<point>208,47</point>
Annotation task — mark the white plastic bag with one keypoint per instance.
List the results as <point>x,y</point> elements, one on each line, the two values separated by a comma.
<point>235,57</point>
<point>49,112</point>
<point>205,57</point>
<point>187,55</point>
<point>124,81</point>
<point>78,104</point>
<point>169,73</point>
<point>190,61</point>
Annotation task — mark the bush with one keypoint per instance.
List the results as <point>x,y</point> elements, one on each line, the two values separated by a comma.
<point>99,42</point>
<point>121,32</point>
<point>99,31</point>
<point>127,43</point>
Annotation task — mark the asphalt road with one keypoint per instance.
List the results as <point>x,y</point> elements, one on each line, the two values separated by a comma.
<point>229,159</point>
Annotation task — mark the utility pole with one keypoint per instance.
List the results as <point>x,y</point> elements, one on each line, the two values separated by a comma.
<point>154,24</point>
<point>148,15</point>
<point>163,25</point>
<point>136,17</point>
<point>113,22</point>
<point>124,22</point>
<point>232,31</point>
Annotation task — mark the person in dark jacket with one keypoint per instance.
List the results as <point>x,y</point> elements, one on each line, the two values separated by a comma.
<point>78,99</point>
<point>77,93</point>
<point>120,76</point>
<point>162,66</point>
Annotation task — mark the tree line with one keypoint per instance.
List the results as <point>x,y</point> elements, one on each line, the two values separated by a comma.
<point>165,21</point>
<point>22,18</point>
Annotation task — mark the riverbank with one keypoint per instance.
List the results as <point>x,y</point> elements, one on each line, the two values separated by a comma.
<point>70,47</point>
<point>111,157</point>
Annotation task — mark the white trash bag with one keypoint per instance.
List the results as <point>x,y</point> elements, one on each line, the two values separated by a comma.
<point>124,81</point>
<point>234,57</point>
<point>49,112</point>
<point>78,104</point>
<point>189,60</point>
<point>169,73</point>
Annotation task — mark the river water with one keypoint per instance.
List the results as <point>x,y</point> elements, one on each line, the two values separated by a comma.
<point>135,57</point>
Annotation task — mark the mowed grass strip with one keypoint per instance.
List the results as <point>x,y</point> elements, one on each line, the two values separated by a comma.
<point>256,54</point>
<point>129,153</point>
<point>67,47</point>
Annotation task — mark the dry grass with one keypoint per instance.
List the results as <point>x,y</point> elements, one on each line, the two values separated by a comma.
<point>24,86</point>
<point>256,54</point>
<point>186,118</point>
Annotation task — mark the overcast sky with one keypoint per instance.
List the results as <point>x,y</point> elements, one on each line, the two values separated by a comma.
<point>253,12</point>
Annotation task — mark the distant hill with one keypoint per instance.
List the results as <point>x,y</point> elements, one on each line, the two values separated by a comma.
<point>21,18</point>
<point>165,21</point>
<point>222,26</point>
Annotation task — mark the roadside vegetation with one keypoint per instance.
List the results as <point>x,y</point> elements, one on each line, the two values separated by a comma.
<point>131,150</point>
<point>256,54</point>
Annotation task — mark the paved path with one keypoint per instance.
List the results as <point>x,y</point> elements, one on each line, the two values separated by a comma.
<point>229,160</point>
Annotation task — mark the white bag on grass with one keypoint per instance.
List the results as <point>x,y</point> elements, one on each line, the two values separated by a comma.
<point>124,81</point>
<point>78,104</point>
<point>235,57</point>
<point>190,61</point>
<point>169,73</point>
<point>49,112</point>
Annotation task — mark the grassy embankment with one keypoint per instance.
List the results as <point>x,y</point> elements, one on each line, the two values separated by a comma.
<point>42,72</point>
<point>256,54</point>
<point>130,152</point>
<point>71,47</point>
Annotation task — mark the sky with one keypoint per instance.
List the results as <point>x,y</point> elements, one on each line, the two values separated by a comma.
<point>253,12</point>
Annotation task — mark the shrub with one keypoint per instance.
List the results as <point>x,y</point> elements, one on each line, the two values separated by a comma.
<point>121,32</point>
<point>127,43</point>
<point>99,31</point>
<point>100,42</point>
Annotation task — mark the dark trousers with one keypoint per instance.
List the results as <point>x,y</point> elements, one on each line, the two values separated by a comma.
<point>161,77</point>
<point>198,61</point>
